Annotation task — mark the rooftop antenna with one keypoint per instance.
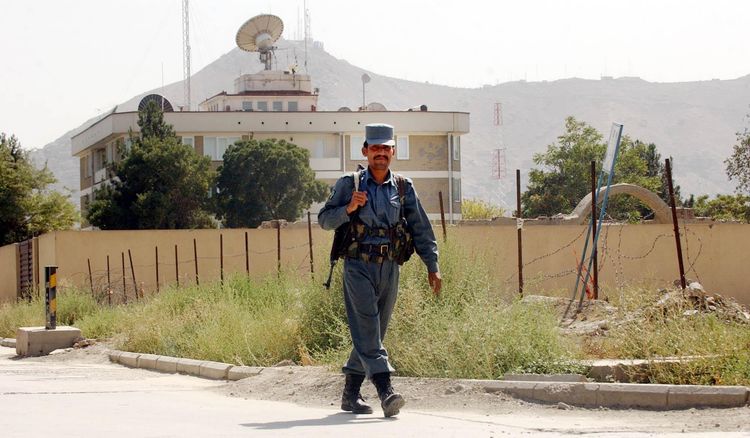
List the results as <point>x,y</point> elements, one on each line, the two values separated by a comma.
<point>365,79</point>
<point>186,51</point>
<point>258,35</point>
<point>307,30</point>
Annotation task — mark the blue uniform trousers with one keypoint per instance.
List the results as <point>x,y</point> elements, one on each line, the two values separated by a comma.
<point>370,291</point>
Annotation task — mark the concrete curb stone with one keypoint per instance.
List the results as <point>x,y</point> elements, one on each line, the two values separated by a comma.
<point>611,395</point>
<point>189,366</point>
<point>241,372</point>
<point>147,361</point>
<point>214,370</point>
<point>8,342</point>
<point>128,359</point>
<point>166,364</point>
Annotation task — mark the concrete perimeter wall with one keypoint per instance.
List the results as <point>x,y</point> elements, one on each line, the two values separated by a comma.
<point>8,273</point>
<point>715,254</point>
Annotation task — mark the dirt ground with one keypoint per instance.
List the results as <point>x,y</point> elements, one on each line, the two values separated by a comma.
<point>321,387</point>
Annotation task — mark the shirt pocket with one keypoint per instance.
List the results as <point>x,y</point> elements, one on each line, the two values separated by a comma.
<point>394,209</point>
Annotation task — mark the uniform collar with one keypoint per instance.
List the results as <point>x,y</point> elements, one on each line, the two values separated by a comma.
<point>388,179</point>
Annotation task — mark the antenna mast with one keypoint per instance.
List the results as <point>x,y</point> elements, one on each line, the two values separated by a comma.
<point>307,30</point>
<point>186,51</point>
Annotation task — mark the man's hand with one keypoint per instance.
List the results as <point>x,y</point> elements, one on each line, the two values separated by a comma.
<point>358,200</point>
<point>436,282</point>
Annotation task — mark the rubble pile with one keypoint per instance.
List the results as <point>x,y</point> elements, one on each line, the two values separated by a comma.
<point>694,300</point>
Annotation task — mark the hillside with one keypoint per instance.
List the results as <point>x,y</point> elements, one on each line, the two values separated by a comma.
<point>695,122</point>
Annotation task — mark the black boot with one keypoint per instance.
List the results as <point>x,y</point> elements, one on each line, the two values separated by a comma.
<point>351,400</point>
<point>390,401</point>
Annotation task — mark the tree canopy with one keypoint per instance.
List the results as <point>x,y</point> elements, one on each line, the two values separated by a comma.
<point>263,180</point>
<point>738,164</point>
<point>563,175</point>
<point>27,207</point>
<point>158,184</point>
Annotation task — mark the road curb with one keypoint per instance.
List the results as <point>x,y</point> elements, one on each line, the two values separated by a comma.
<point>584,394</point>
<point>8,342</point>
<point>624,395</point>
<point>176,365</point>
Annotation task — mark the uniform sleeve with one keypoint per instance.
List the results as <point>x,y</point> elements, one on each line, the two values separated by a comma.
<point>421,230</point>
<point>333,214</point>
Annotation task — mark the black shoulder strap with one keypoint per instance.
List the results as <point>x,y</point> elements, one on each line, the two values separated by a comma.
<point>401,183</point>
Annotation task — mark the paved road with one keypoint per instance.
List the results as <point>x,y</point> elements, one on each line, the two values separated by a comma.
<point>69,397</point>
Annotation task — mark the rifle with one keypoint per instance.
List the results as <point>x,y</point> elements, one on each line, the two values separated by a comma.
<point>343,234</point>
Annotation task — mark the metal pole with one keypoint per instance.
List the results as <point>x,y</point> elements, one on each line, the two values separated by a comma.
<point>519,227</point>
<point>676,225</point>
<point>278,247</point>
<point>109,284</point>
<point>195,256</point>
<point>310,243</point>
<point>176,267</point>
<point>156,250</point>
<point>594,253</point>
<point>442,216</point>
<point>91,278</point>
<point>221,257</point>
<point>132,272</point>
<point>247,256</point>
<point>124,287</point>
<point>50,297</point>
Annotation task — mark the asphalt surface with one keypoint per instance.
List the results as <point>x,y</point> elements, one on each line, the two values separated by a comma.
<point>71,396</point>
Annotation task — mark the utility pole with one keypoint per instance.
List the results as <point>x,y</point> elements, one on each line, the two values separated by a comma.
<point>186,52</point>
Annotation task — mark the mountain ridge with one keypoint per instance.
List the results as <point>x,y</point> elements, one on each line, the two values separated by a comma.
<point>694,122</point>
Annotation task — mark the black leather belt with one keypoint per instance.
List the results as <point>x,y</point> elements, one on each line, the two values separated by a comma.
<point>375,249</point>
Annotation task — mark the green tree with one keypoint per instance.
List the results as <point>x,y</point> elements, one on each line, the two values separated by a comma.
<point>159,183</point>
<point>27,207</point>
<point>263,180</point>
<point>563,175</point>
<point>738,164</point>
<point>724,207</point>
<point>479,209</point>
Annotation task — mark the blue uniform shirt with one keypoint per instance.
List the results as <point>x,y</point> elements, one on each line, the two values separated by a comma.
<point>382,210</point>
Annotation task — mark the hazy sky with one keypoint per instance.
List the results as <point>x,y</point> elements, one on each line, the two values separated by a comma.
<point>64,61</point>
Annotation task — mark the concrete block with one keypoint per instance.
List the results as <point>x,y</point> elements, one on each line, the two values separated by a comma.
<point>38,341</point>
<point>129,359</point>
<point>523,390</point>
<point>189,366</point>
<point>571,378</point>
<point>690,396</point>
<point>114,355</point>
<point>147,361</point>
<point>238,372</point>
<point>578,394</point>
<point>214,370</point>
<point>8,342</point>
<point>166,364</point>
<point>632,395</point>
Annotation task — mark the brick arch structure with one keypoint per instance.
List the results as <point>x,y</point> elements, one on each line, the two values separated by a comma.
<point>662,214</point>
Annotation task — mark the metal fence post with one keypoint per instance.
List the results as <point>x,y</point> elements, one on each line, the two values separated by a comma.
<point>50,297</point>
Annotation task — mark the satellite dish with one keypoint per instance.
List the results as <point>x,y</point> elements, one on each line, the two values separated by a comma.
<point>258,35</point>
<point>376,106</point>
<point>345,109</point>
<point>160,100</point>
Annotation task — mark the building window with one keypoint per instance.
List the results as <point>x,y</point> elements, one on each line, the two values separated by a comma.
<point>278,105</point>
<point>292,106</point>
<point>456,147</point>
<point>110,152</point>
<point>215,147</point>
<point>189,141</point>
<point>456,189</point>
<point>247,105</point>
<point>323,149</point>
<point>355,147</point>
<point>402,147</point>
<point>262,106</point>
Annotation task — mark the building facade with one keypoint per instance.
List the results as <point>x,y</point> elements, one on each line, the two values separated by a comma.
<point>283,105</point>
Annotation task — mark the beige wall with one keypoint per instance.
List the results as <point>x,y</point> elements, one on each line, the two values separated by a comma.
<point>634,255</point>
<point>8,273</point>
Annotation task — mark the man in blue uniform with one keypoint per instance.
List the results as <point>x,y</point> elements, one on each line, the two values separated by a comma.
<point>370,270</point>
